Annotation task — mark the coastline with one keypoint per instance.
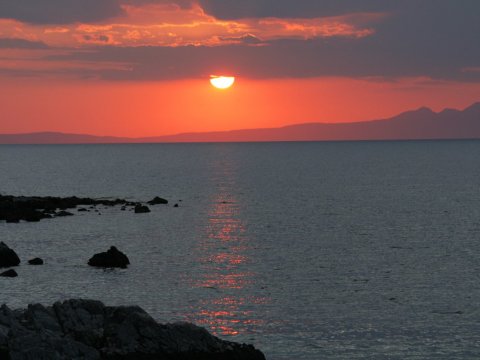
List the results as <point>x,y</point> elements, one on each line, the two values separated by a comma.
<point>89,330</point>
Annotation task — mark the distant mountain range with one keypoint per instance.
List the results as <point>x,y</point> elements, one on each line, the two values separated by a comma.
<point>412,125</point>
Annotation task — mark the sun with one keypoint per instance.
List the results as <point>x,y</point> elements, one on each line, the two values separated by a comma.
<point>222,82</point>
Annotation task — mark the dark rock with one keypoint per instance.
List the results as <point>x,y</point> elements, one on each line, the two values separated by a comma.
<point>123,208</point>
<point>89,330</point>
<point>8,257</point>
<point>36,261</point>
<point>35,216</point>
<point>157,201</point>
<point>82,210</point>
<point>9,273</point>
<point>64,213</point>
<point>35,208</point>
<point>176,205</point>
<point>113,258</point>
<point>141,209</point>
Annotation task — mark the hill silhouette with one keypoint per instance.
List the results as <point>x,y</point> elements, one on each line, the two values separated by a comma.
<point>412,125</point>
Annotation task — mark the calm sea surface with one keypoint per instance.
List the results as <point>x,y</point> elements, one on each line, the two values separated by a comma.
<point>361,250</point>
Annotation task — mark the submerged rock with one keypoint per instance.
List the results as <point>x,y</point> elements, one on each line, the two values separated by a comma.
<point>36,261</point>
<point>8,257</point>
<point>141,209</point>
<point>157,201</point>
<point>89,330</point>
<point>113,258</point>
<point>9,273</point>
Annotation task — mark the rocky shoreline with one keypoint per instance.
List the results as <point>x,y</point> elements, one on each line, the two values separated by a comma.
<point>87,329</point>
<point>14,209</point>
<point>79,329</point>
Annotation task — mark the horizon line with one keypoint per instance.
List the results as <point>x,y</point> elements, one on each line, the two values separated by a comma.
<point>139,138</point>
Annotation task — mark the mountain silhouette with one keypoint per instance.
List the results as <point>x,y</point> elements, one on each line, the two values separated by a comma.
<point>411,125</point>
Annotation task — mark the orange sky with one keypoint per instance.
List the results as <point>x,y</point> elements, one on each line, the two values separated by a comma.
<point>141,68</point>
<point>156,108</point>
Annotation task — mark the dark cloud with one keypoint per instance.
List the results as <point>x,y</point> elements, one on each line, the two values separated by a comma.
<point>234,9</point>
<point>72,11</point>
<point>96,38</point>
<point>432,38</point>
<point>356,58</point>
<point>59,11</point>
<point>248,39</point>
<point>12,43</point>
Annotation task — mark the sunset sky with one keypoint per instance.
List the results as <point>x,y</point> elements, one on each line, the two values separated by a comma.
<point>142,67</point>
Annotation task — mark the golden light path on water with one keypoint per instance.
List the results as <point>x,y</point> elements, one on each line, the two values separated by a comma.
<point>224,258</point>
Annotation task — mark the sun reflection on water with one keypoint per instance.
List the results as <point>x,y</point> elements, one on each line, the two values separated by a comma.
<point>224,255</point>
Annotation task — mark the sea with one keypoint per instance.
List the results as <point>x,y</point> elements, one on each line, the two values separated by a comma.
<point>314,250</point>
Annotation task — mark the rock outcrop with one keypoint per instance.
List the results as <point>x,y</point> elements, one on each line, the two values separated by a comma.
<point>36,261</point>
<point>141,209</point>
<point>8,257</point>
<point>13,209</point>
<point>113,258</point>
<point>9,273</point>
<point>89,330</point>
<point>157,201</point>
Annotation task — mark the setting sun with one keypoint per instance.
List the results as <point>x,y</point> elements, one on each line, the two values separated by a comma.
<point>222,82</point>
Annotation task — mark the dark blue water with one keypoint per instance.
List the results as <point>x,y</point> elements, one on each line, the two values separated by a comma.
<point>361,250</point>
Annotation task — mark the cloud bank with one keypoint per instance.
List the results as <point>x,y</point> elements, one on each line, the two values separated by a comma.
<point>175,39</point>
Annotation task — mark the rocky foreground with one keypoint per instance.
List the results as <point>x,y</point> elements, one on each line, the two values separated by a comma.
<point>14,209</point>
<point>88,330</point>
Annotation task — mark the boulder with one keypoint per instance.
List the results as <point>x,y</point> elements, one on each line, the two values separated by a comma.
<point>141,209</point>
<point>36,261</point>
<point>113,258</point>
<point>157,201</point>
<point>89,330</point>
<point>8,257</point>
<point>9,273</point>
